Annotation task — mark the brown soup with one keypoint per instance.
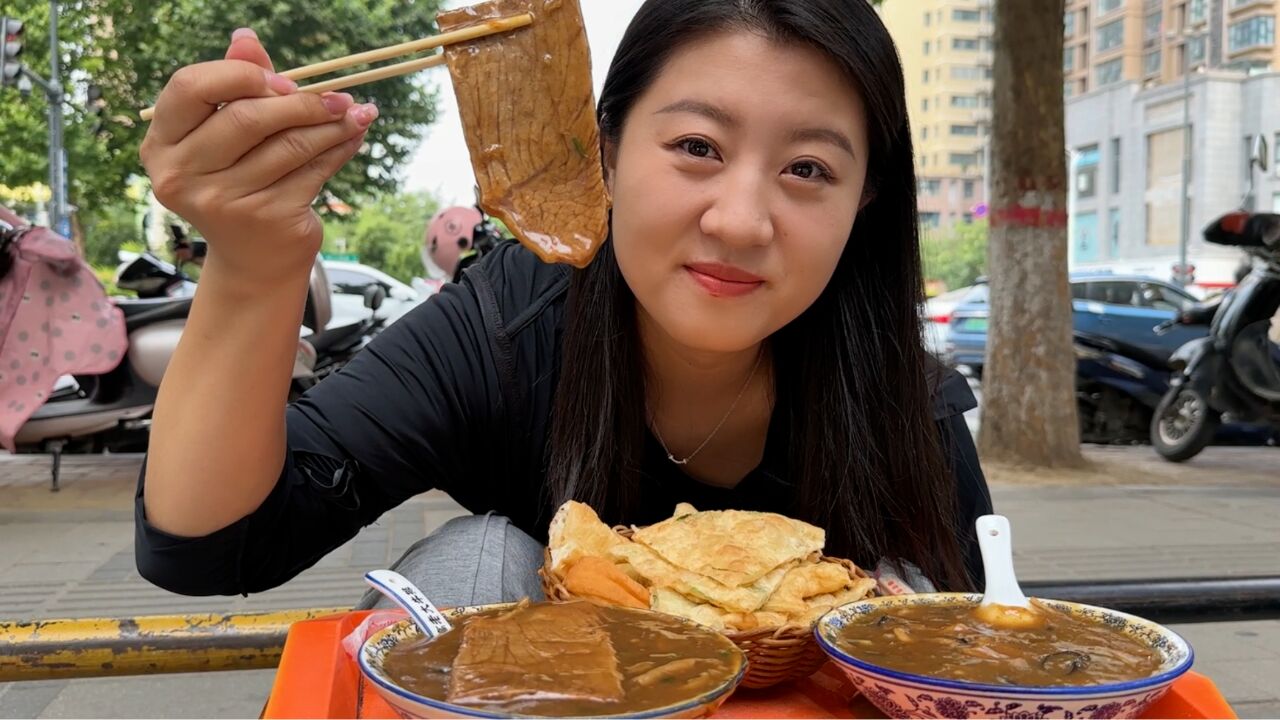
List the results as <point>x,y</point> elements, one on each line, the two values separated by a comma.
<point>948,641</point>
<point>567,659</point>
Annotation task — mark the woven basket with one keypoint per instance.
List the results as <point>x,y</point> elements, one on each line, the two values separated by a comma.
<point>774,655</point>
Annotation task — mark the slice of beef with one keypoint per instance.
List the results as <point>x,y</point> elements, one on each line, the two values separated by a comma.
<point>528,113</point>
<point>548,651</point>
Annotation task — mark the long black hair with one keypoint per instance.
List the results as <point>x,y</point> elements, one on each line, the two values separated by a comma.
<point>850,373</point>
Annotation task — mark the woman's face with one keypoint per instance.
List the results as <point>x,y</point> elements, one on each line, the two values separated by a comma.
<point>735,184</point>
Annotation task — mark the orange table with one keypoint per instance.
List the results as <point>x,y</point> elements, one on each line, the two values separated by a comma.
<point>317,679</point>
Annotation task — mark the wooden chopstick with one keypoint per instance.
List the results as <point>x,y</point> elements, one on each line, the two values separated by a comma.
<point>489,27</point>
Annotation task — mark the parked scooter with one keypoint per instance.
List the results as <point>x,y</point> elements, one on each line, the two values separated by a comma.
<point>1229,375</point>
<point>111,411</point>
<point>1118,387</point>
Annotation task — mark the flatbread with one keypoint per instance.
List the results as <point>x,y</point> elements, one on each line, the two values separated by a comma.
<point>576,532</point>
<point>733,547</point>
<point>666,600</point>
<point>658,573</point>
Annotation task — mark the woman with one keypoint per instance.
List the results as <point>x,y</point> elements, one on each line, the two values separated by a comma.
<point>749,337</point>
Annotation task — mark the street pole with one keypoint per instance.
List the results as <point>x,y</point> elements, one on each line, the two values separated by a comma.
<point>59,218</point>
<point>1185,233</point>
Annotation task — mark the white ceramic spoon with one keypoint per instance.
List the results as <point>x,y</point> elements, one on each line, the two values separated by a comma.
<point>1003,604</point>
<point>408,596</point>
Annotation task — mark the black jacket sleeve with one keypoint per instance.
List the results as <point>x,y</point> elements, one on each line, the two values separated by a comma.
<point>953,398</point>
<point>401,418</point>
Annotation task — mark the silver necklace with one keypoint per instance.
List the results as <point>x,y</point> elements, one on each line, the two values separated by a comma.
<point>658,433</point>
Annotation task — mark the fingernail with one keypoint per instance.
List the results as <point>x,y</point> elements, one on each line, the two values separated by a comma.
<point>280,83</point>
<point>337,103</point>
<point>244,32</point>
<point>365,114</point>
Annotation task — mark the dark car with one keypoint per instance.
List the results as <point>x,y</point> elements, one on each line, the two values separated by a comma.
<point>1125,308</point>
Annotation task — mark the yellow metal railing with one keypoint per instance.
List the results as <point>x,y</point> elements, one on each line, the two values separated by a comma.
<point>98,647</point>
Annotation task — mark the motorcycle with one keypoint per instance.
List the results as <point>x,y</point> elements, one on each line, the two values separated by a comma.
<point>1118,387</point>
<point>111,410</point>
<point>1230,375</point>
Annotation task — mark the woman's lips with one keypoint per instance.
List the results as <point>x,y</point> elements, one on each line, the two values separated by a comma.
<point>723,280</point>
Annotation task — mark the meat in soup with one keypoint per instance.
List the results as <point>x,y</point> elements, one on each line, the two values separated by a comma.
<point>949,641</point>
<point>567,659</point>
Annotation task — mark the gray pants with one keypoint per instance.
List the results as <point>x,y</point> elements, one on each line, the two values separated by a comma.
<point>474,560</point>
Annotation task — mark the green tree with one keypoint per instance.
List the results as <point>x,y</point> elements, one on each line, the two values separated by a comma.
<point>959,257</point>
<point>386,233</point>
<point>129,48</point>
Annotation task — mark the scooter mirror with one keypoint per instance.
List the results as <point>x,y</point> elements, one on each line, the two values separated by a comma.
<point>1258,152</point>
<point>374,294</point>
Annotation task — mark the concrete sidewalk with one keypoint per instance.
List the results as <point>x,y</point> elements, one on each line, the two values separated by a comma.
<point>70,554</point>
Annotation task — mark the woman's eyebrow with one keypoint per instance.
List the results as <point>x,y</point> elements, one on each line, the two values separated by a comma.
<point>704,109</point>
<point>826,135</point>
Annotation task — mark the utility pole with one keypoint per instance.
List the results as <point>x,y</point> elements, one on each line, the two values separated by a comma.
<point>61,218</point>
<point>18,73</point>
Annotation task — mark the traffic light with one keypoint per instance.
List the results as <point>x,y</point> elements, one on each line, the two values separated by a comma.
<point>10,66</point>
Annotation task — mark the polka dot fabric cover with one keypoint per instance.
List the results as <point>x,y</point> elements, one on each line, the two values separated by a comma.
<point>55,319</point>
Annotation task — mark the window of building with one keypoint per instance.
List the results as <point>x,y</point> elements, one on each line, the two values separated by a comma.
<point>926,77</point>
<point>1068,88</point>
<point>930,187</point>
<point>1151,27</point>
<point>1087,171</point>
<point>1068,59</point>
<point>1109,72</point>
<point>986,72</point>
<point>965,130</point>
<point>1197,11</point>
<point>965,72</point>
<point>924,133</point>
<point>1111,35</point>
<point>1255,32</point>
<point>968,189</point>
<point>1151,62</point>
<point>931,219</point>
<point>1115,165</point>
<point>926,47</point>
<point>924,105</point>
<point>964,101</point>
<point>966,15</point>
<point>1237,4</point>
<point>927,18</point>
<point>1195,49</point>
<point>1248,157</point>
<point>1113,221</point>
<point>963,158</point>
<point>1069,24</point>
<point>964,43</point>
<point>1106,6</point>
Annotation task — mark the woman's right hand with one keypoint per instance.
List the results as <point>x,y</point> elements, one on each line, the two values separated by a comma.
<point>240,154</point>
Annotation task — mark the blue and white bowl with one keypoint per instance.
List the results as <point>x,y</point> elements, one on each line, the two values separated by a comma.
<point>905,695</point>
<point>412,705</point>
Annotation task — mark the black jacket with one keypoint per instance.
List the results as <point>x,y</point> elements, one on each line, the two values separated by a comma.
<point>457,395</point>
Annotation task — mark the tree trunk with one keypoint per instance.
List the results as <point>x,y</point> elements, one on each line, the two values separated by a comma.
<point>1028,383</point>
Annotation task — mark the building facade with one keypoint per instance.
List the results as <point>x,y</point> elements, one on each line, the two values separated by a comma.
<point>1127,149</point>
<point>1127,65</point>
<point>946,53</point>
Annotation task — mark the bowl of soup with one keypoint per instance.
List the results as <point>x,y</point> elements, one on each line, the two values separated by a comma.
<point>929,655</point>
<point>546,659</point>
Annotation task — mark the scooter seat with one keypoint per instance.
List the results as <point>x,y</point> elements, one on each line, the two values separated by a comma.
<point>138,313</point>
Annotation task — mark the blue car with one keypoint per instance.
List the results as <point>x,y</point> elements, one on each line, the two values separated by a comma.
<point>1125,308</point>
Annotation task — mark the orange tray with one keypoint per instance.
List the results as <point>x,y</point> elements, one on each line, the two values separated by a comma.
<point>317,679</point>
